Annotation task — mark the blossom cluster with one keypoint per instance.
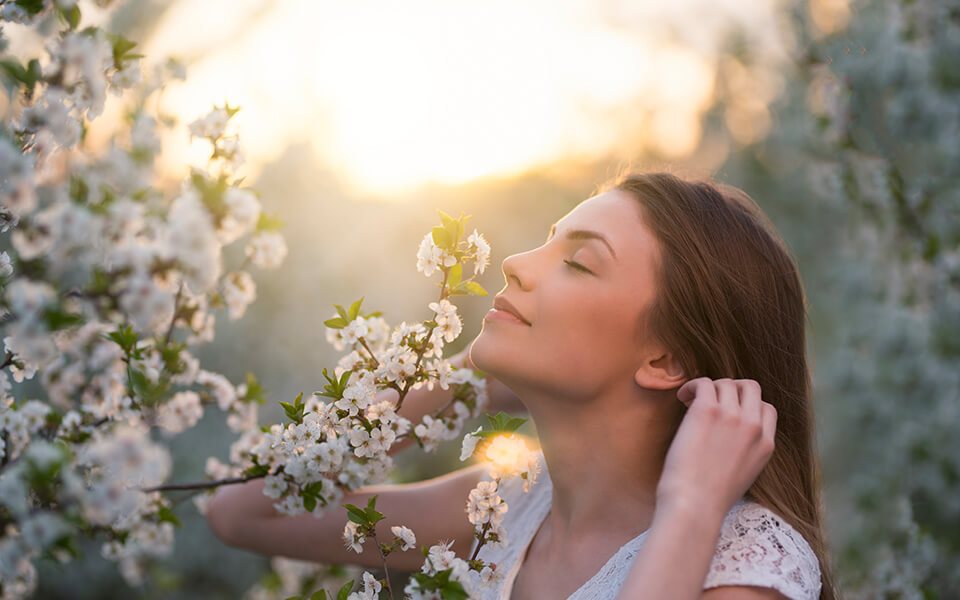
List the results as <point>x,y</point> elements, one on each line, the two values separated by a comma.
<point>110,283</point>
<point>442,561</point>
<point>107,284</point>
<point>289,577</point>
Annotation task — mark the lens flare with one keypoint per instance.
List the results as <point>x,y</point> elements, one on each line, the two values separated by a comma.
<point>507,455</point>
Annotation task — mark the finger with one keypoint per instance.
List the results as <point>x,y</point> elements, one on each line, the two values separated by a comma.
<point>701,387</point>
<point>750,400</point>
<point>769,421</point>
<point>728,396</point>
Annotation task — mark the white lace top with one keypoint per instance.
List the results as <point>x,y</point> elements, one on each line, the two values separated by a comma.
<point>756,547</point>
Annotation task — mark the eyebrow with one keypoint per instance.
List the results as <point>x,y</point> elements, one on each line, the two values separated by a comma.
<point>584,234</point>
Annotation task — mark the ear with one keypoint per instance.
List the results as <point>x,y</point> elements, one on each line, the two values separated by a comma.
<point>660,371</point>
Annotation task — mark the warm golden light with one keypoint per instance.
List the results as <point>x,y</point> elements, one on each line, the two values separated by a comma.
<point>391,96</point>
<point>507,454</point>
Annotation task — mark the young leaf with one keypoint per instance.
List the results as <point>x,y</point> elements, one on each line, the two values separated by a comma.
<point>474,288</point>
<point>336,323</point>
<point>441,237</point>
<point>456,271</point>
<point>319,595</point>
<point>345,591</point>
<point>445,218</point>
<point>268,223</point>
<point>355,309</point>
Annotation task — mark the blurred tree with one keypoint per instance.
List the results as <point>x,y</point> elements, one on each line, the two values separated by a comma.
<point>862,173</point>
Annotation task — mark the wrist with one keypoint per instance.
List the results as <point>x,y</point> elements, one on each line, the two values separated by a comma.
<point>689,511</point>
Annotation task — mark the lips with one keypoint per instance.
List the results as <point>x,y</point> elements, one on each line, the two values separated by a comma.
<point>501,303</point>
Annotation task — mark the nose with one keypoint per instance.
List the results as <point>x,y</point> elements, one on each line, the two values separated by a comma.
<point>510,268</point>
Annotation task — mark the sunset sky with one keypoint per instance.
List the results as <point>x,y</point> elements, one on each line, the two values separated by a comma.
<point>392,95</point>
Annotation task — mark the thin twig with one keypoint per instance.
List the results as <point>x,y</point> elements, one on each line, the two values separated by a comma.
<point>483,535</point>
<point>363,342</point>
<point>416,366</point>
<point>383,559</point>
<point>173,319</point>
<point>202,485</point>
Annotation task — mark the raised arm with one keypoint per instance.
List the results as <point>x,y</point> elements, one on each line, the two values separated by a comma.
<point>241,516</point>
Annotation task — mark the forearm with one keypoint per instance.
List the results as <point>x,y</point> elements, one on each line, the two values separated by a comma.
<point>238,503</point>
<point>673,561</point>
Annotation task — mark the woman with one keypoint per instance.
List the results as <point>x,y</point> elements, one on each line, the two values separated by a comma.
<point>655,290</point>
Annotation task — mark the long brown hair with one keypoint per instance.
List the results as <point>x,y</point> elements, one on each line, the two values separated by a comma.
<point>730,304</point>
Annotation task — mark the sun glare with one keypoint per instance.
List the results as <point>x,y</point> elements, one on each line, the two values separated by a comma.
<point>391,95</point>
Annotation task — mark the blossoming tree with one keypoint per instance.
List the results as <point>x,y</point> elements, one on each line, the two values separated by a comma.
<point>107,287</point>
<point>865,163</point>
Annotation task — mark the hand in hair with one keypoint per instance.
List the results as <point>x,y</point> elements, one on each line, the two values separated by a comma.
<point>723,443</point>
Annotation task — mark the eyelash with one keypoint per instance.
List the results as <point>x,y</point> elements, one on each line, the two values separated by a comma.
<point>577,266</point>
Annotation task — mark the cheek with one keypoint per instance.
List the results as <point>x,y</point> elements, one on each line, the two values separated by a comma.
<point>587,329</point>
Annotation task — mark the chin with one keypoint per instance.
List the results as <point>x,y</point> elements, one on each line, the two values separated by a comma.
<point>486,354</point>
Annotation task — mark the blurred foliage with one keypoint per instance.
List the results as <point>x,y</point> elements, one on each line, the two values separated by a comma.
<point>861,173</point>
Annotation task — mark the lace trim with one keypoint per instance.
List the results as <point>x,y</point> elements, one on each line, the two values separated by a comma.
<point>757,547</point>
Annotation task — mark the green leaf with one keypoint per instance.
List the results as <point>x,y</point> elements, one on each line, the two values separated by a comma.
<point>336,323</point>
<point>504,422</point>
<point>28,75</point>
<point>354,309</point>
<point>230,110</point>
<point>345,591</point>
<point>255,391</point>
<point>309,502</point>
<point>165,514</point>
<point>71,16</point>
<point>31,6</point>
<point>374,516</point>
<point>121,49</point>
<point>456,271</point>
<point>356,514</point>
<point>256,471</point>
<point>343,313</point>
<point>124,337</point>
<point>474,288</point>
<point>515,423</point>
<point>445,218</point>
<point>453,590</point>
<point>268,222</point>
<point>294,411</point>
<point>319,595</point>
<point>441,237</point>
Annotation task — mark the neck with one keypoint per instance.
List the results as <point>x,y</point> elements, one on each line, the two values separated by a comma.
<point>604,456</point>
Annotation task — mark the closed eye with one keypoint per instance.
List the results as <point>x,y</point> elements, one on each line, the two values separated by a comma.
<point>577,266</point>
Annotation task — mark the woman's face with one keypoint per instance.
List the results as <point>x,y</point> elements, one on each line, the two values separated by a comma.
<point>582,336</point>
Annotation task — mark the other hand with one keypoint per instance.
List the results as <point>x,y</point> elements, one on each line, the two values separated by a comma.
<point>724,441</point>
